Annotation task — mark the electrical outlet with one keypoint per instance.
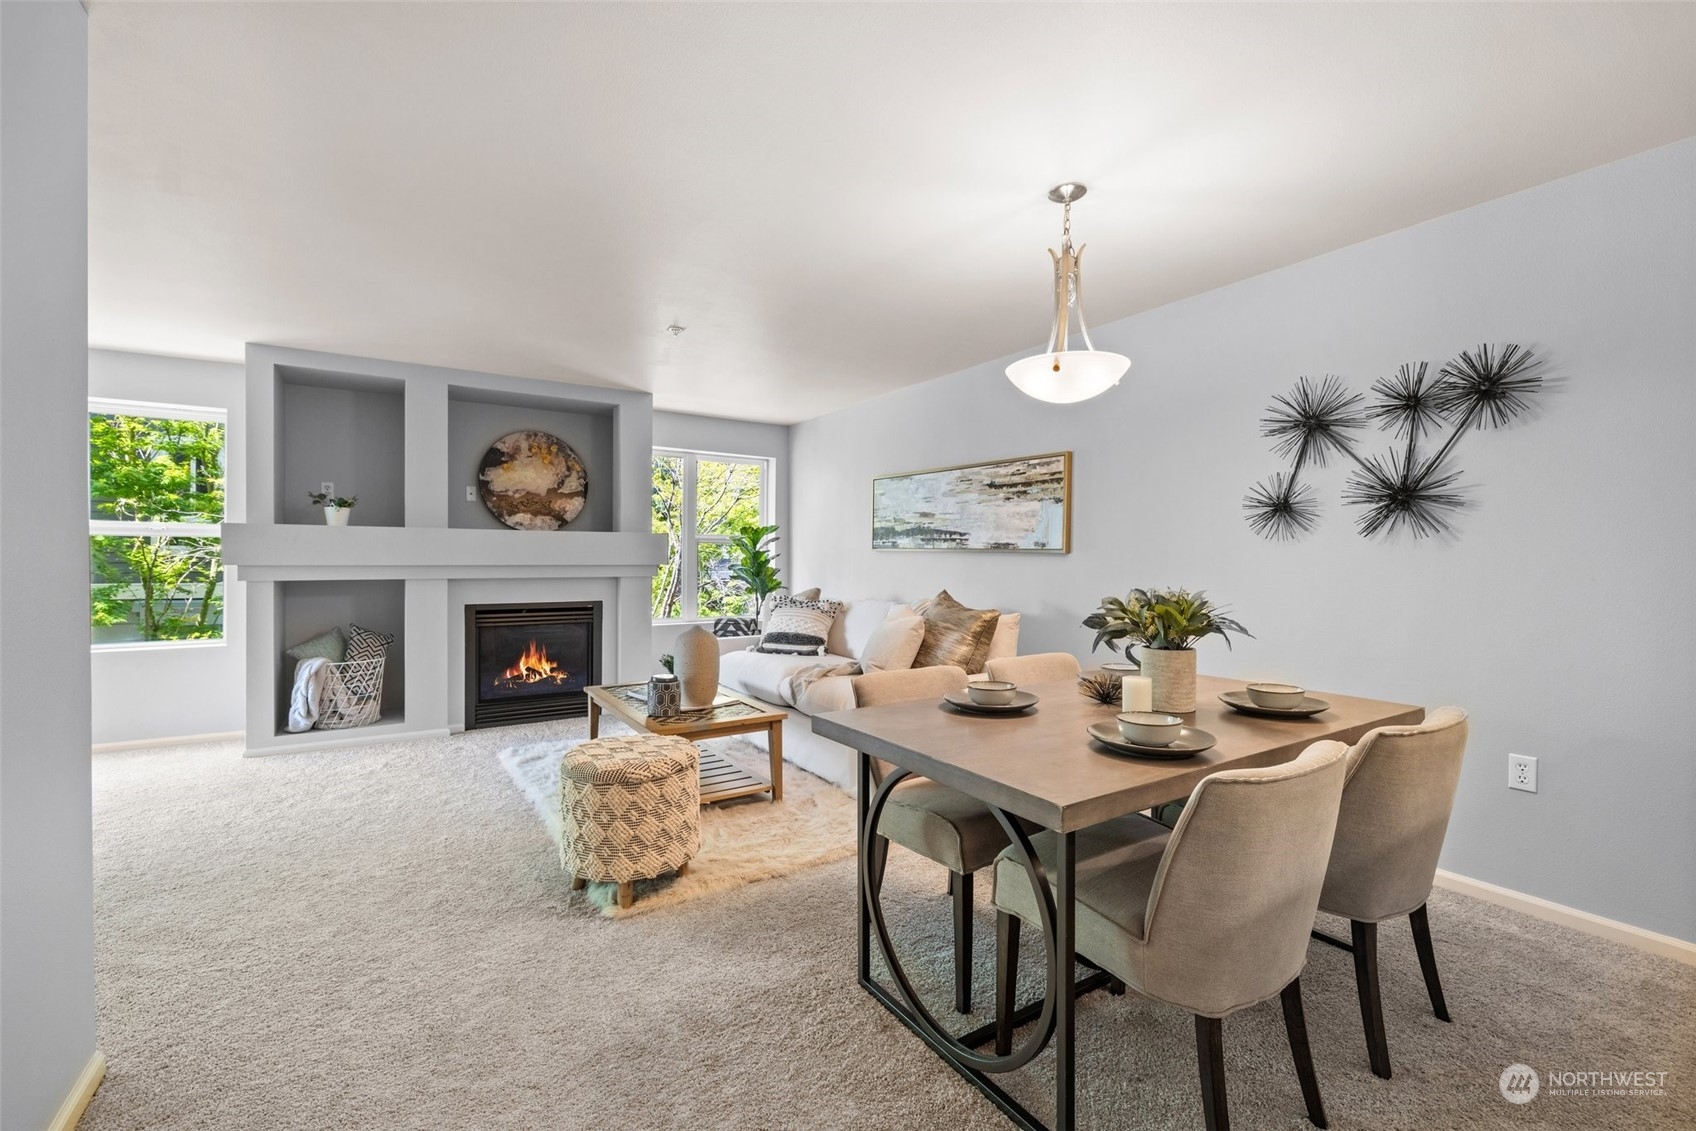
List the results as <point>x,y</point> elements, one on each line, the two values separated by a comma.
<point>1522,772</point>
<point>471,494</point>
<point>327,488</point>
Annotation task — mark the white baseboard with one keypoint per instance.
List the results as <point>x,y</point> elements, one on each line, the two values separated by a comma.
<point>1612,929</point>
<point>65,1119</point>
<point>179,740</point>
<point>352,740</point>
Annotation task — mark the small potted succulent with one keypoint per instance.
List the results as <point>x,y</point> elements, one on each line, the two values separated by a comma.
<point>1167,623</point>
<point>336,507</point>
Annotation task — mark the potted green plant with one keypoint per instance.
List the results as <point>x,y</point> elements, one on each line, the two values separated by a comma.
<point>755,565</point>
<point>336,507</point>
<point>1167,623</point>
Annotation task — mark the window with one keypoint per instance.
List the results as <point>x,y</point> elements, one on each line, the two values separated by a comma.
<point>699,499</point>
<point>155,505</point>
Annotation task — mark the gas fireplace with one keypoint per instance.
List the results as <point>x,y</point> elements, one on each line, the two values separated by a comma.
<point>524,663</point>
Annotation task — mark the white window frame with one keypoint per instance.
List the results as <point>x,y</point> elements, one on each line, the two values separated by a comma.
<point>106,527</point>
<point>689,589</point>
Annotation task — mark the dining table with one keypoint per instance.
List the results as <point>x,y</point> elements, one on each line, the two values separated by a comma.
<point>1043,766</point>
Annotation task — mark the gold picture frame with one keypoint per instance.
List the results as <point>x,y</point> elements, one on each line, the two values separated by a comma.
<point>999,506</point>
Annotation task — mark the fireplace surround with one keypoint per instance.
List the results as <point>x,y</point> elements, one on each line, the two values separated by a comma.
<point>527,662</point>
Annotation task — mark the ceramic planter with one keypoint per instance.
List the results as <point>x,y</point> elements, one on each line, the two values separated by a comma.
<point>336,516</point>
<point>1173,673</point>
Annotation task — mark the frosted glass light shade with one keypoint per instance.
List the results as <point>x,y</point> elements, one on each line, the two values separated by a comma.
<point>1082,374</point>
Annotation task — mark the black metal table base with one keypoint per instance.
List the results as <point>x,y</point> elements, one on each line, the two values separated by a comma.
<point>1054,1014</point>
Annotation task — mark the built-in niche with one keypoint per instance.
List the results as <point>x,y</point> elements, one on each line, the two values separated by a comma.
<point>346,429</point>
<point>307,608</point>
<point>479,417</point>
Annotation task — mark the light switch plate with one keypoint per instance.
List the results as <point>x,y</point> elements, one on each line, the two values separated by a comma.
<point>471,494</point>
<point>327,488</point>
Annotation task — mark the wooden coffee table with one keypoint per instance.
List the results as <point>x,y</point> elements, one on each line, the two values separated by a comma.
<point>721,779</point>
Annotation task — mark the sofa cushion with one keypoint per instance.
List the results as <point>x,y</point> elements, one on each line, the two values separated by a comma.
<point>857,622</point>
<point>956,635</point>
<point>1005,642</point>
<point>765,675</point>
<point>894,645</point>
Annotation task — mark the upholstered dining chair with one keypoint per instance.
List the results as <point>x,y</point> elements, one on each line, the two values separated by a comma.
<point>1211,916</point>
<point>937,822</point>
<point>1043,667</point>
<point>1399,790</point>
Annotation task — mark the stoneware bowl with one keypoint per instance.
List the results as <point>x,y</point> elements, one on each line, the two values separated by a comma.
<point>991,692</point>
<point>1276,694</point>
<point>1150,728</point>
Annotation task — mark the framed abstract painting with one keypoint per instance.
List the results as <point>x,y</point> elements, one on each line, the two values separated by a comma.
<point>1019,505</point>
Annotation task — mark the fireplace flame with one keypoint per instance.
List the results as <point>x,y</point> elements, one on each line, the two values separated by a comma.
<point>535,667</point>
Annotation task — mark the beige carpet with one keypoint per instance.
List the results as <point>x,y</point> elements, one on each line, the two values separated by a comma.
<point>742,841</point>
<point>382,938</point>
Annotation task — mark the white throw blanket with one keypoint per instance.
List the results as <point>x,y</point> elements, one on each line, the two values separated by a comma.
<point>797,684</point>
<point>311,676</point>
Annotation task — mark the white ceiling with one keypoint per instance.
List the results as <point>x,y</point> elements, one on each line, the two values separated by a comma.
<point>835,200</point>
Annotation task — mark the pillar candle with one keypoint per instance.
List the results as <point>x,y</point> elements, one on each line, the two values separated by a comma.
<point>1138,693</point>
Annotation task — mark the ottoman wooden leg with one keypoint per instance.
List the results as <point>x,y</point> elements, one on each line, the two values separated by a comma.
<point>578,883</point>
<point>626,894</point>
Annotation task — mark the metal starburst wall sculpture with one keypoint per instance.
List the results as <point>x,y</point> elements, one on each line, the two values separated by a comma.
<point>1401,489</point>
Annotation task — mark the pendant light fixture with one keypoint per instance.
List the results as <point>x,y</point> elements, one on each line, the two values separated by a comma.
<point>1060,375</point>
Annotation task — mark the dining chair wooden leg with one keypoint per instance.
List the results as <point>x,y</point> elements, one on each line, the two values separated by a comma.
<point>1006,979</point>
<point>962,889</point>
<point>1428,961</point>
<point>1365,938</point>
<point>1295,1027</point>
<point>1210,1058</point>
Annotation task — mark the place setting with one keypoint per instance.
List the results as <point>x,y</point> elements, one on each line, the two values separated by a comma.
<point>991,697</point>
<point>1274,701</point>
<point>1152,734</point>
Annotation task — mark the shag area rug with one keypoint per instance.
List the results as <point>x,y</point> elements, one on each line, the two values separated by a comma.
<point>741,841</point>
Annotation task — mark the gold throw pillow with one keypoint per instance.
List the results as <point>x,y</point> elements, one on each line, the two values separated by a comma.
<point>956,635</point>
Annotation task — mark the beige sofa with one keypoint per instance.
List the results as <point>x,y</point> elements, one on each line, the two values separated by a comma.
<point>771,680</point>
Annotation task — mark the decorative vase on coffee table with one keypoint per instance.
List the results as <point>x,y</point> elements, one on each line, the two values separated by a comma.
<point>1173,673</point>
<point>697,667</point>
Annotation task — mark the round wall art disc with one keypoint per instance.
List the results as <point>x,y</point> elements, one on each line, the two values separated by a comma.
<point>533,481</point>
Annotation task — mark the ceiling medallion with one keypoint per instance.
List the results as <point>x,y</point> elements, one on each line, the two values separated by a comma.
<point>1060,375</point>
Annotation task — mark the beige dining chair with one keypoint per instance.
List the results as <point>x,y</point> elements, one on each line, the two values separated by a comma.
<point>1398,794</point>
<point>928,818</point>
<point>1042,667</point>
<point>1211,915</point>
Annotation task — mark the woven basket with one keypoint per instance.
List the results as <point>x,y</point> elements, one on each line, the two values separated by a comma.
<point>353,694</point>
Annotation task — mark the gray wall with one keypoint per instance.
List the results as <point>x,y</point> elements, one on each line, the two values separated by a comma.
<point>46,859</point>
<point>730,437</point>
<point>354,438</point>
<point>151,693</point>
<point>473,426</point>
<point>1561,616</point>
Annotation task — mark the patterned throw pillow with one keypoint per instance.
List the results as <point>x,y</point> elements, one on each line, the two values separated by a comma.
<point>797,627</point>
<point>364,644</point>
<point>770,603</point>
<point>736,626</point>
<point>956,635</point>
<point>331,645</point>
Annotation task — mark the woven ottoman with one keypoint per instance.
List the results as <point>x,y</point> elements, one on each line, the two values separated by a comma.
<point>630,808</point>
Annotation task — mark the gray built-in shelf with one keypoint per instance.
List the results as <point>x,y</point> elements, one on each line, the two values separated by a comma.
<point>407,439</point>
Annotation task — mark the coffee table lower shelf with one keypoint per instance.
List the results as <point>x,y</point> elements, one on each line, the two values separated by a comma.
<point>723,780</point>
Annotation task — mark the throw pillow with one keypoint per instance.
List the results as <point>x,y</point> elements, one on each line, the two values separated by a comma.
<point>770,603</point>
<point>893,645</point>
<point>1005,642</point>
<point>727,627</point>
<point>956,635</point>
<point>798,628</point>
<point>364,644</point>
<point>331,645</point>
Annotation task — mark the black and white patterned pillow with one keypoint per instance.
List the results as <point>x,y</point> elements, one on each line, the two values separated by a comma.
<point>797,627</point>
<point>736,626</point>
<point>364,644</point>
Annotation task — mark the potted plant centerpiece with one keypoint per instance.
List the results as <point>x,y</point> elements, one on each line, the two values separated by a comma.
<point>336,507</point>
<point>1167,623</point>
